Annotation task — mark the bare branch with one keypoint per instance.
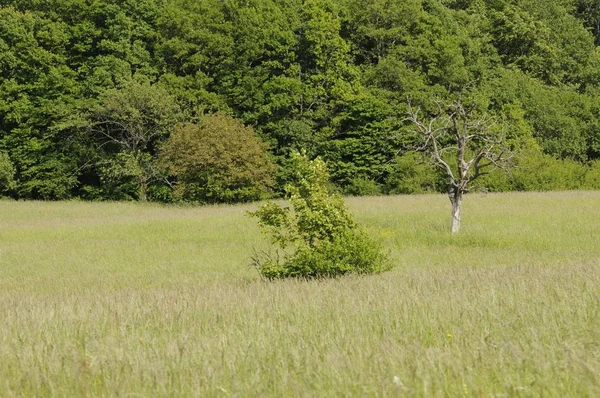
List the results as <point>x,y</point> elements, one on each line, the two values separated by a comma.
<point>473,141</point>
<point>429,133</point>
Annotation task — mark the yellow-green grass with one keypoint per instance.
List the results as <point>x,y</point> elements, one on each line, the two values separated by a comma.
<point>123,299</point>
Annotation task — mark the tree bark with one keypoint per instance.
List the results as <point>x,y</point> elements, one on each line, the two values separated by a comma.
<point>455,199</point>
<point>143,193</point>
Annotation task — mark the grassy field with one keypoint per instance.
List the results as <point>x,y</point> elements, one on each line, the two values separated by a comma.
<point>120,299</point>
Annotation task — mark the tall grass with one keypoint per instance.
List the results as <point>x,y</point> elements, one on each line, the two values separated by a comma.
<point>118,299</point>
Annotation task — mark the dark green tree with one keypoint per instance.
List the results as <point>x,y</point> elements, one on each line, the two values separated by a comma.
<point>128,124</point>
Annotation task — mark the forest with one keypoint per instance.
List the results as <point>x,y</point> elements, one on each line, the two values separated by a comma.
<point>205,100</point>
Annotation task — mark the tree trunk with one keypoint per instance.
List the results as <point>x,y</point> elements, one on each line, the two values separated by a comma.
<point>143,193</point>
<point>455,199</point>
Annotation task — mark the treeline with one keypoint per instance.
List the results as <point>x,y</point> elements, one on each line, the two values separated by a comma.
<point>165,99</point>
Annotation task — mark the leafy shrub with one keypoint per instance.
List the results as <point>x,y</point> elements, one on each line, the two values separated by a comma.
<point>537,171</point>
<point>592,178</point>
<point>410,174</point>
<point>319,237</point>
<point>497,181</point>
<point>362,187</point>
<point>218,160</point>
<point>541,172</point>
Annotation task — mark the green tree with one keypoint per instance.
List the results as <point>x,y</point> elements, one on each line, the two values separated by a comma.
<point>545,40</point>
<point>37,91</point>
<point>218,160</point>
<point>362,141</point>
<point>589,12</point>
<point>319,75</point>
<point>128,124</point>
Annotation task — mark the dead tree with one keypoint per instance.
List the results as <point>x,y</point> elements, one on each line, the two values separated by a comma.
<point>463,145</point>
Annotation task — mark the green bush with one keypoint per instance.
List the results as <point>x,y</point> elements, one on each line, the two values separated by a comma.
<point>497,181</point>
<point>541,172</point>
<point>362,187</point>
<point>410,174</point>
<point>319,237</point>
<point>592,177</point>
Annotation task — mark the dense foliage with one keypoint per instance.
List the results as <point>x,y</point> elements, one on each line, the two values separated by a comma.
<point>327,76</point>
<point>318,237</point>
<point>218,160</point>
<point>125,129</point>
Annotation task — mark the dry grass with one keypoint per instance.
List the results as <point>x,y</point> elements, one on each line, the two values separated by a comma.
<point>132,300</point>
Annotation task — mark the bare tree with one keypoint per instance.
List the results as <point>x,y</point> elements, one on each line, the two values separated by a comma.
<point>463,144</point>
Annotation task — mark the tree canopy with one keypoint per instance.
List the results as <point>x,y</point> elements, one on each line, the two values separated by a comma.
<point>330,77</point>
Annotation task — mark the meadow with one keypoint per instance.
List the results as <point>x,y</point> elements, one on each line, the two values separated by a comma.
<point>131,300</point>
